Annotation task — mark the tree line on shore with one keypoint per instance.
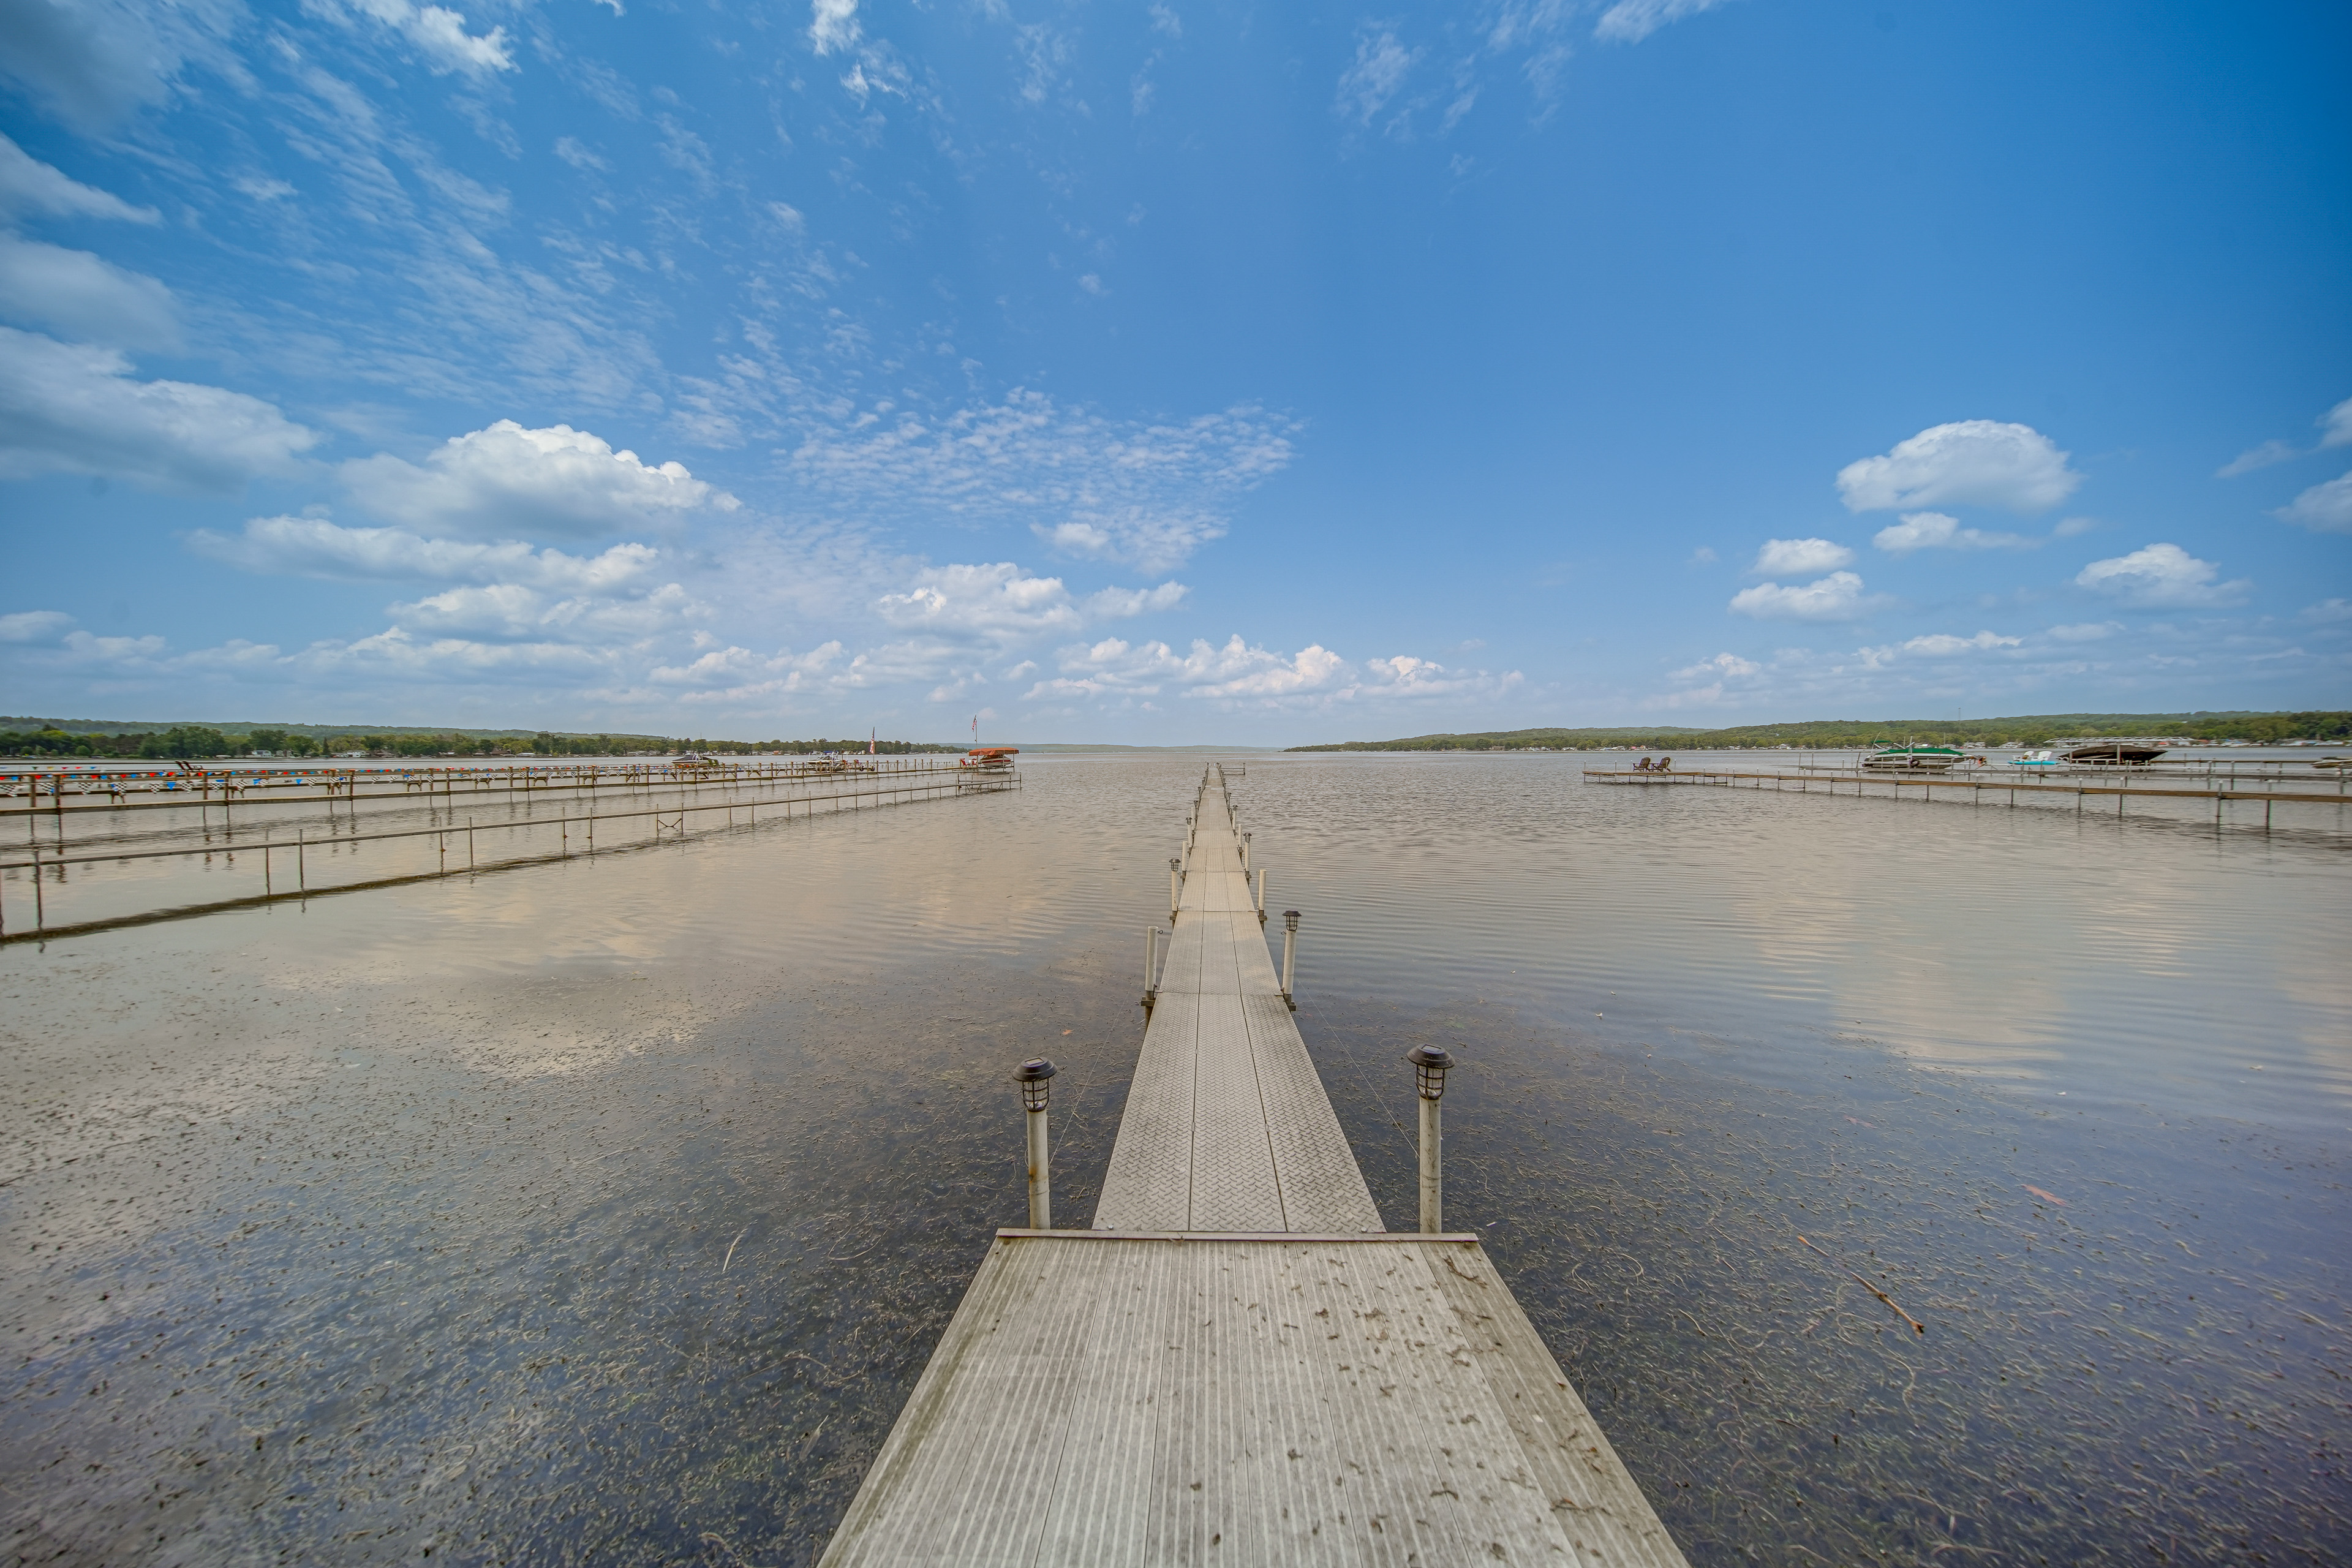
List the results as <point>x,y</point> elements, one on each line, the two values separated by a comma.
<point>204,741</point>
<point>1841,734</point>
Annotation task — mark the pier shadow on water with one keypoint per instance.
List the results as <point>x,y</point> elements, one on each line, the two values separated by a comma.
<point>606,1213</point>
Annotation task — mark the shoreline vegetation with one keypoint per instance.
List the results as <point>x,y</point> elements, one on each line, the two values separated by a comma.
<point>2320,727</point>
<point>101,738</point>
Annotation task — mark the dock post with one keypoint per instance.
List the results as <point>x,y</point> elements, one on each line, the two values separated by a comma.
<point>301,871</point>
<point>1032,1076</point>
<point>1430,1065</point>
<point>1175,887</point>
<point>1289,952</point>
<point>1151,963</point>
<point>1261,895</point>
<point>1245,865</point>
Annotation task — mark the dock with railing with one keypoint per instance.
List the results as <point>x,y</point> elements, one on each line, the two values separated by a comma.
<point>100,847</point>
<point>2002,785</point>
<point>1236,1362</point>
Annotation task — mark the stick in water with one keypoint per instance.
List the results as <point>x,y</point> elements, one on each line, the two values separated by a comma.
<point>1874,1290</point>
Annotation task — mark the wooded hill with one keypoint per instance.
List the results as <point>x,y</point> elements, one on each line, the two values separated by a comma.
<point>2033,730</point>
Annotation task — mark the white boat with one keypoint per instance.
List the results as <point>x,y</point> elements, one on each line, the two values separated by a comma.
<point>1912,759</point>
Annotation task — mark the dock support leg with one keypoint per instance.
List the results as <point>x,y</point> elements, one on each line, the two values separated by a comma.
<point>1151,965</point>
<point>1261,895</point>
<point>1175,887</point>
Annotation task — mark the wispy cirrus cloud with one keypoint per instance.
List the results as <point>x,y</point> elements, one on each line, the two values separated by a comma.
<point>1147,494</point>
<point>1631,21</point>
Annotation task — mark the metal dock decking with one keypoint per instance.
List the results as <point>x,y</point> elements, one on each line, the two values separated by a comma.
<point>1237,1363</point>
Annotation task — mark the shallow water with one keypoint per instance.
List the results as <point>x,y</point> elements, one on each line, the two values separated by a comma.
<point>605,1211</point>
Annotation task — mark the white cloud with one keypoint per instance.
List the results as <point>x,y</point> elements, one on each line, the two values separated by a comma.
<point>314,547</point>
<point>2329,612</point>
<point>1836,597</point>
<point>1937,530</point>
<point>1942,645</point>
<point>93,62</point>
<point>833,25</point>
<point>2336,425</point>
<point>1380,66</point>
<point>1146,494</point>
<point>1975,462</point>
<point>439,34</point>
<point>2068,527</point>
<point>2323,509</point>
<point>27,184</point>
<point>508,611</point>
<point>69,408</point>
<point>508,482</point>
<point>737,674</point>
<point>999,601</point>
<point>574,151</point>
<point>74,292</point>
<point>2261,457</point>
<point>2086,631</point>
<point>1791,557</point>
<point>1703,556</point>
<point>1631,21</point>
<point>1721,665</point>
<point>1239,674</point>
<point>2161,575</point>
<point>35,627</point>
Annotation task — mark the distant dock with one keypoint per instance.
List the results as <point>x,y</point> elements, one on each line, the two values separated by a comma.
<point>1237,1363</point>
<point>1972,786</point>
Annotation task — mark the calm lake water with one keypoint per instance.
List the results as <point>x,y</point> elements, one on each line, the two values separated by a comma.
<point>606,1211</point>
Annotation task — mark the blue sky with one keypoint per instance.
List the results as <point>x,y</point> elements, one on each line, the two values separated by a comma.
<point>1172,372</point>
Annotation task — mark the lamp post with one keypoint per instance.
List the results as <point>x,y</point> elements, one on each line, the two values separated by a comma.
<point>1032,1076</point>
<point>1430,1066</point>
<point>1289,952</point>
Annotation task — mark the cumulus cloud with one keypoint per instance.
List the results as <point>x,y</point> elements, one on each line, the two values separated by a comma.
<point>315,547</point>
<point>2336,425</point>
<point>1145,494</point>
<point>439,35</point>
<point>27,184</point>
<point>2162,576</point>
<point>740,674</point>
<point>74,292</point>
<point>1942,645</point>
<point>1631,21</point>
<point>508,611</point>
<point>1790,557</point>
<point>1721,665</point>
<point>1001,602</point>
<point>2323,509</point>
<point>1939,530</point>
<point>1975,462</point>
<point>35,627</point>
<point>1836,597</point>
<point>71,408</point>
<point>508,482</point>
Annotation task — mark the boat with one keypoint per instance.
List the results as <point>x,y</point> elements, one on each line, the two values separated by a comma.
<point>2115,754</point>
<point>2034,760</point>
<point>989,759</point>
<point>1912,759</point>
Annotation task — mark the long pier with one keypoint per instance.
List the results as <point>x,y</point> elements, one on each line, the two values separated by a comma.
<point>1973,785</point>
<point>1236,1362</point>
<point>307,859</point>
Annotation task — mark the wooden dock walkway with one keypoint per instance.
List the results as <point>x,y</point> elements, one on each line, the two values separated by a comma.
<point>1235,1363</point>
<point>1974,785</point>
